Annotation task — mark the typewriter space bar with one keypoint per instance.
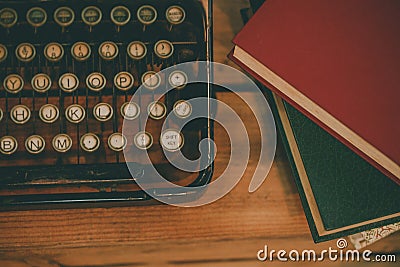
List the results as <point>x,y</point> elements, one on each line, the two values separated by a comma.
<point>70,174</point>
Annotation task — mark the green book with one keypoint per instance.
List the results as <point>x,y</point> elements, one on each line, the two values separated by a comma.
<point>340,192</point>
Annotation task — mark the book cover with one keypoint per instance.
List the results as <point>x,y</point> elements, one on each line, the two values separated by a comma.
<point>337,62</point>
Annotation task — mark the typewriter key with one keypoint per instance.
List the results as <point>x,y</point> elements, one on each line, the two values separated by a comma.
<point>1,114</point>
<point>151,80</point>
<point>75,113</point>
<point>3,52</point>
<point>182,109</point>
<point>130,110</point>
<point>20,114</point>
<point>35,144</point>
<point>36,16</point>
<point>8,145</point>
<point>164,49</point>
<point>25,52</point>
<point>96,81</point>
<point>123,81</point>
<point>120,15</point>
<point>177,79</point>
<point>64,16</point>
<point>8,17</point>
<point>13,83</point>
<point>175,15</point>
<point>91,15</point>
<point>108,50</point>
<point>156,110</point>
<point>137,50</point>
<point>54,52</point>
<point>146,14</point>
<point>49,113</point>
<point>171,140</point>
<point>41,82</point>
<point>81,51</point>
<point>103,112</point>
<point>90,142</point>
<point>117,142</point>
<point>68,82</point>
<point>62,143</point>
<point>143,140</point>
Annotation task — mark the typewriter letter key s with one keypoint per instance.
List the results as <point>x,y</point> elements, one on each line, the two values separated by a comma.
<point>68,70</point>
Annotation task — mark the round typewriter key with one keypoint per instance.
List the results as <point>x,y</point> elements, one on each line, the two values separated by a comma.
<point>103,112</point>
<point>75,113</point>
<point>81,51</point>
<point>120,15</point>
<point>13,83</point>
<point>36,16</point>
<point>147,14</point>
<point>130,110</point>
<point>8,17</point>
<point>96,81</point>
<point>91,15</point>
<point>25,52</point>
<point>8,145</point>
<point>117,142</point>
<point>123,80</point>
<point>90,142</point>
<point>164,49</point>
<point>3,52</point>
<point>41,82</point>
<point>68,82</point>
<point>64,16</point>
<point>20,114</point>
<point>137,50</point>
<point>175,15</point>
<point>177,79</point>
<point>62,143</point>
<point>54,52</point>
<point>35,144</point>
<point>49,113</point>
<point>171,140</point>
<point>1,114</point>
<point>151,80</point>
<point>108,50</point>
<point>156,110</point>
<point>143,140</point>
<point>182,109</point>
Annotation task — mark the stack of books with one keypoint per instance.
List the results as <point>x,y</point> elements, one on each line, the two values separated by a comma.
<point>333,68</point>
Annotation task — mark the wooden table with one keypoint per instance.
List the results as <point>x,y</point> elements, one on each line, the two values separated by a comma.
<point>228,232</point>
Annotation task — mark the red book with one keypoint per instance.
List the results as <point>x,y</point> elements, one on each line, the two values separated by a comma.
<point>338,62</point>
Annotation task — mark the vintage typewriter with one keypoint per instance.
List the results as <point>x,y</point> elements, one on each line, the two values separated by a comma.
<point>67,72</point>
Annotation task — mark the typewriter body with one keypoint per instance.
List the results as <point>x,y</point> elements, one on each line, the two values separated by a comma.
<point>67,72</point>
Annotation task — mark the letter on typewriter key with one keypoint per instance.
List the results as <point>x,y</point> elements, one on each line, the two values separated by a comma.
<point>75,113</point>
<point>177,79</point>
<point>90,142</point>
<point>35,144</point>
<point>62,143</point>
<point>117,142</point>
<point>108,50</point>
<point>143,140</point>
<point>175,15</point>
<point>137,50</point>
<point>68,82</point>
<point>164,49</point>
<point>36,16</point>
<point>146,14</point>
<point>103,112</point>
<point>41,82</point>
<point>123,81</point>
<point>156,110</point>
<point>54,52</point>
<point>171,140</point>
<point>182,109</point>
<point>8,17</point>
<point>91,15</point>
<point>8,145</point>
<point>25,52</point>
<point>81,51</point>
<point>96,81</point>
<point>151,80</point>
<point>130,110</point>
<point>20,114</point>
<point>49,113</point>
<point>3,53</point>
<point>120,15</point>
<point>13,83</point>
<point>64,16</point>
